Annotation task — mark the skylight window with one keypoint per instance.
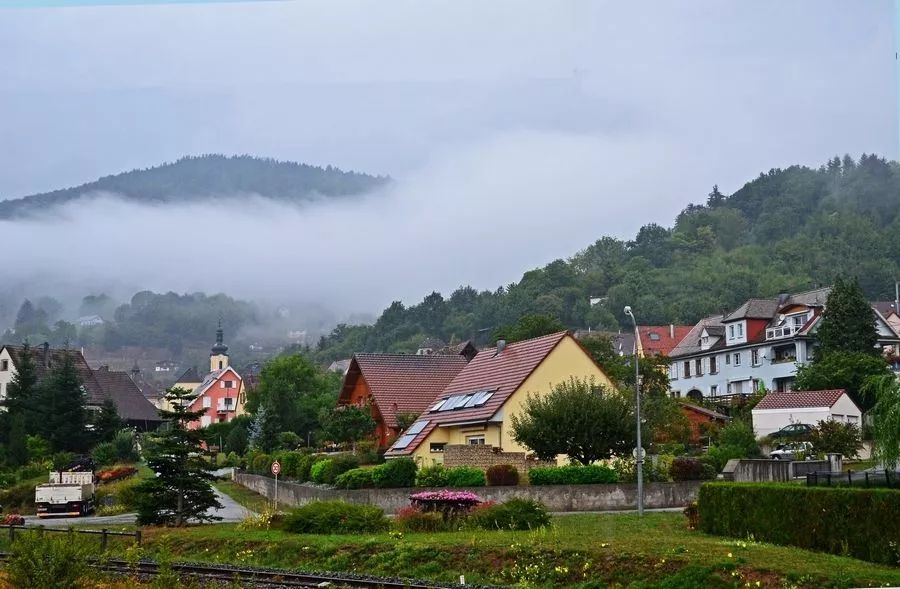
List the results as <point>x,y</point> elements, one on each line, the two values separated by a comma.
<point>404,441</point>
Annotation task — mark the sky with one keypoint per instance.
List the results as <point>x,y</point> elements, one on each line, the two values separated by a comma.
<point>517,133</point>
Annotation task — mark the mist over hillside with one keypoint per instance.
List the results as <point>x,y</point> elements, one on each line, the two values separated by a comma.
<point>196,178</point>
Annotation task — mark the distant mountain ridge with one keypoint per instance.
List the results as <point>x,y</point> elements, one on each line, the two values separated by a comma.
<point>196,177</point>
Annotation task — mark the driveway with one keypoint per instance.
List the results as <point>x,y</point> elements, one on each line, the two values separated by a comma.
<point>231,512</point>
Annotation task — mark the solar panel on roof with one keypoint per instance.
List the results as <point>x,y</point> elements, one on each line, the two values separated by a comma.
<point>404,441</point>
<point>437,406</point>
<point>416,428</point>
<point>484,399</point>
<point>451,403</point>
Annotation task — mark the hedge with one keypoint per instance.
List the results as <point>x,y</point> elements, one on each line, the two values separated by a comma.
<point>857,522</point>
<point>465,476</point>
<point>358,478</point>
<point>572,475</point>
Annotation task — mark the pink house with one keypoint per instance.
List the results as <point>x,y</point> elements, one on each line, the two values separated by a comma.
<point>218,396</point>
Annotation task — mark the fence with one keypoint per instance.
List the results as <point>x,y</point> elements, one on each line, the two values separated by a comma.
<point>104,534</point>
<point>883,478</point>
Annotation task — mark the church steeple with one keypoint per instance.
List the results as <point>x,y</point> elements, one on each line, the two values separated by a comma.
<point>218,356</point>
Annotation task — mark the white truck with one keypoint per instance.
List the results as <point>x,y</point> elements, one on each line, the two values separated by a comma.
<point>66,493</point>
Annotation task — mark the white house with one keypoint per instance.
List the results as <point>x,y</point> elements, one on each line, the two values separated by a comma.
<point>761,343</point>
<point>777,410</point>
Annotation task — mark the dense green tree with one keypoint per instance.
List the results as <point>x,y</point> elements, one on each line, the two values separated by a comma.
<point>848,323</point>
<point>21,392</point>
<point>578,418</point>
<point>886,420</point>
<point>528,327</point>
<point>347,423</point>
<point>853,371</point>
<point>836,436</point>
<point>181,492</point>
<point>61,408</point>
<point>106,422</point>
<point>237,440</point>
<point>16,448</point>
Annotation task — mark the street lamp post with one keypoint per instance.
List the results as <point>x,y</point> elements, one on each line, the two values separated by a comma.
<point>639,458</point>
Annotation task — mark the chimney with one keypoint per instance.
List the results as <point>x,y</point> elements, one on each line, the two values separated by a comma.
<point>671,331</point>
<point>501,345</point>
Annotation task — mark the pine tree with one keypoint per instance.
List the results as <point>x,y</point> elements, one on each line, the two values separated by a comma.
<point>21,391</point>
<point>848,323</point>
<point>107,423</point>
<point>181,491</point>
<point>264,430</point>
<point>715,197</point>
<point>16,450</point>
<point>60,407</point>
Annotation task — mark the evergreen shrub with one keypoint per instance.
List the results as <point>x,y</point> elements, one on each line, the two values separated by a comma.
<point>572,475</point>
<point>852,521</point>
<point>335,517</point>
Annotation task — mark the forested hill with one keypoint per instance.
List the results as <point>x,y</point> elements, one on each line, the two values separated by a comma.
<point>205,176</point>
<point>787,230</point>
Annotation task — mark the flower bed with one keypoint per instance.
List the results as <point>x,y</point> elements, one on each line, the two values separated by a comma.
<point>448,503</point>
<point>114,474</point>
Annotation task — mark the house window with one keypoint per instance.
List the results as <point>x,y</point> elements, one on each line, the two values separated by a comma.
<point>229,384</point>
<point>220,365</point>
<point>205,420</point>
<point>852,419</point>
<point>740,330</point>
<point>228,401</point>
<point>673,372</point>
<point>837,417</point>
<point>4,365</point>
<point>754,357</point>
<point>475,440</point>
<point>713,390</point>
<point>798,321</point>
<point>737,388</point>
<point>698,364</point>
<point>207,402</point>
<point>654,336</point>
<point>687,369</point>
<point>737,359</point>
<point>437,447</point>
<point>731,332</point>
<point>727,360</point>
<point>676,394</point>
<point>713,365</point>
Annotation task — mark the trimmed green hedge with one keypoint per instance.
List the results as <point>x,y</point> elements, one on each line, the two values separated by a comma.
<point>857,522</point>
<point>465,476</point>
<point>572,475</point>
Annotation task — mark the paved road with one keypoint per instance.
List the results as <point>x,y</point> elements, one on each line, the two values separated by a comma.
<point>231,512</point>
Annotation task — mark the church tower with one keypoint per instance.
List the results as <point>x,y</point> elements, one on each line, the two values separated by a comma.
<point>218,356</point>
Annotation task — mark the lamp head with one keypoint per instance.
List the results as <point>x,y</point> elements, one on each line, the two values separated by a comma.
<point>628,310</point>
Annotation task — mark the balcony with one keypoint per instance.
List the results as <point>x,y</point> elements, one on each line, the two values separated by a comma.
<point>226,405</point>
<point>780,332</point>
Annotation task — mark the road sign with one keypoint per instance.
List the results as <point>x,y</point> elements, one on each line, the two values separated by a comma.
<point>276,468</point>
<point>634,453</point>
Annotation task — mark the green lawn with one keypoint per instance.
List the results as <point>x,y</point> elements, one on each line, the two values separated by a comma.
<point>247,498</point>
<point>610,550</point>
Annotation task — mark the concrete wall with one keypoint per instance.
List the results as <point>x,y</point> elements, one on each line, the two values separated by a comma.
<point>558,498</point>
<point>756,471</point>
<point>485,455</point>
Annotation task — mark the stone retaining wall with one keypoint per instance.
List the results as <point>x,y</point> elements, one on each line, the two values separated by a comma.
<point>484,456</point>
<point>558,498</point>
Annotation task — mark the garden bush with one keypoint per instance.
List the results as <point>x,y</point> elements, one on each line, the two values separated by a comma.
<point>125,445</point>
<point>450,504</point>
<point>572,475</point>
<point>397,472</point>
<point>502,475</point>
<point>338,466</point>
<point>18,499</point>
<point>317,472</point>
<point>335,517</point>
<point>357,478</point>
<point>290,464</point>
<point>836,520</point>
<point>658,471</point>
<point>465,476</point>
<point>686,468</point>
<point>410,519</point>
<point>262,464</point>
<point>432,476</point>
<point>44,560</point>
<point>515,514</point>
<point>105,454</point>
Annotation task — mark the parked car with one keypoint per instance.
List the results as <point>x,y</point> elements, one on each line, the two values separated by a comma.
<point>793,431</point>
<point>791,451</point>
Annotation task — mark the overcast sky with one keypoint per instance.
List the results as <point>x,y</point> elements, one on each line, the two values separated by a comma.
<point>539,126</point>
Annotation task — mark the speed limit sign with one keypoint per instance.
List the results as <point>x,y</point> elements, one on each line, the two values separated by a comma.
<point>276,468</point>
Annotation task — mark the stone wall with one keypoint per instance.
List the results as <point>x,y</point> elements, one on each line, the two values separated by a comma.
<point>557,498</point>
<point>484,456</point>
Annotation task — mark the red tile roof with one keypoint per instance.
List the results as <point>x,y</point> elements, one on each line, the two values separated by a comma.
<point>661,342</point>
<point>501,373</point>
<point>401,383</point>
<point>800,399</point>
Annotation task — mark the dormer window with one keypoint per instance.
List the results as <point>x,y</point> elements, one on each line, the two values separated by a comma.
<point>731,332</point>
<point>740,327</point>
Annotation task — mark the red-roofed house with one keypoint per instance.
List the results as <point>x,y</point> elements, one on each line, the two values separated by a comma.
<point>777,410</point>
<point>659,340</point>
<point>476,407</point>
<point>393,384</point>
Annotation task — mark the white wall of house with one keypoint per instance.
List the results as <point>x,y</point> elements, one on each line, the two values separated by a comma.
<point>846,410</point>
<point>769,421</point>
<point>6,375</point>
<point>735,370</point>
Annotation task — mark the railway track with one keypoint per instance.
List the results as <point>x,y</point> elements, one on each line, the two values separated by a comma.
<point>269,578</point>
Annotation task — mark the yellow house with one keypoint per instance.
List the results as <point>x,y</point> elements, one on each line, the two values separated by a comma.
<point>476,407</point>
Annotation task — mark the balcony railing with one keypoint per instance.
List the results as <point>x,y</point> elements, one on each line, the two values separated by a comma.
<point>222,406</point>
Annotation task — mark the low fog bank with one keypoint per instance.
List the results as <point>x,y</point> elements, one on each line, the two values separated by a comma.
<point>476,214</point>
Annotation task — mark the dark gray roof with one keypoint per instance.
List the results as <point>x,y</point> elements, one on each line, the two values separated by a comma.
<point>754,309</point>
<point>131,405</point>
<point>190,375</point>
<point>691,342</point>
<point>46,358</point>
<point>812,298</point>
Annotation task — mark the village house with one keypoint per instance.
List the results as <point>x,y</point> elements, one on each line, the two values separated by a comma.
<point>758,344</point>
<point>778,410</point>
<point>393,385</point>
<point>220,394</point>
<point>702,420</point>
<point>476,406</point>
<point>655,340</point>
<point>98,385</point>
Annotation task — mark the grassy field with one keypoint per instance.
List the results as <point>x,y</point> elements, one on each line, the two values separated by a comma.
<point>588,551</point>
<point>244,496</point>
